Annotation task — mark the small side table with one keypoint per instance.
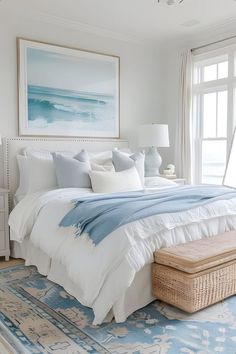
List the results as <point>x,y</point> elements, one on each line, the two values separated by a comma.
<point>179,181</point>
<point>4,229</point>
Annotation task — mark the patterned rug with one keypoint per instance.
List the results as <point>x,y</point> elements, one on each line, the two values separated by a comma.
<point>38,316</point>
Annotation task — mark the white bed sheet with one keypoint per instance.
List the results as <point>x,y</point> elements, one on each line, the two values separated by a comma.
<point>104,274</point>
<point>138,295</point>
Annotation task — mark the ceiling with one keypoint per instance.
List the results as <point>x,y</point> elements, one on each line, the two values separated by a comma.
<point>142,20</point>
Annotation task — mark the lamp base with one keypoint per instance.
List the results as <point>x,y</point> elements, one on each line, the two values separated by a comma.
<point>153,162</point>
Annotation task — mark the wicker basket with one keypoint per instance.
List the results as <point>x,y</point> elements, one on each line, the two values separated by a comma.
<point>191,291</point>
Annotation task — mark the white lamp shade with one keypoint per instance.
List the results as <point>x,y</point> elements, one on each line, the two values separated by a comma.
<point>154,135</point>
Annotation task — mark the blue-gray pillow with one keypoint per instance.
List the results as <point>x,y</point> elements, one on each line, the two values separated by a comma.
<point>82,156</point>
<point>123,161</point>
<point>70,172</point>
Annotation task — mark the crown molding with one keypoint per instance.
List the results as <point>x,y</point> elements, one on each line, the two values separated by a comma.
<point>34,14</point>
<point>81,27</point>
<point>194,37</point>
<point>186,37</point>
<point>214,31</point>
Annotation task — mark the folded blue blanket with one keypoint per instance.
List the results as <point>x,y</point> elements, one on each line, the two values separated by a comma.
<point>99,215</point>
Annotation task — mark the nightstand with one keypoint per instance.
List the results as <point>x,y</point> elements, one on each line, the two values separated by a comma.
<point>4,229</point>
<point>179,181</point>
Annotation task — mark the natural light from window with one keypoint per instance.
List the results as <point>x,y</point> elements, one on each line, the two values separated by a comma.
<point>214,94</point>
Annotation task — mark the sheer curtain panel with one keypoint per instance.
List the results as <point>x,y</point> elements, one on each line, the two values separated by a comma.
<point>184,129</point>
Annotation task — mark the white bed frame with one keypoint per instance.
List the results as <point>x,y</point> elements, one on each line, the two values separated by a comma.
<point>13,146</point>
<point>33,256</point>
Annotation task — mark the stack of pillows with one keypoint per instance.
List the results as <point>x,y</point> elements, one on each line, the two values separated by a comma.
<point>105,172</point>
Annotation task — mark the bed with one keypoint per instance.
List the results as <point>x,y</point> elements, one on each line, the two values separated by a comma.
<point>113,278</point>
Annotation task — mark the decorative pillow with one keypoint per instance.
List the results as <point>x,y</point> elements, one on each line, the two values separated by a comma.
<point>102,159</point>
<point>23,187</point>
<point>123,161</point>
<point>45,154</point>
<point>70,172</point>
<point>99,161</point>
<point>102,167</point>
<point>82,156</point>
<point>103,156</point>
<point>101,164</point>
<point>100,155</point>
<point>42,174</point>
<point>152,182</point>
<point>112,182</point>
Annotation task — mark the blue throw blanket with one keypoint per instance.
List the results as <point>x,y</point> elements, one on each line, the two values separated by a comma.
<point>98,216</point>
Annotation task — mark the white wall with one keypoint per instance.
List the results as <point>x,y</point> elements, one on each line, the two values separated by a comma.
<point>169,60</point>
<point>149,77</point>
<point>139,75</point>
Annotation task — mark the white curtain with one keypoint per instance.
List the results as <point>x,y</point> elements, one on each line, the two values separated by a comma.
<point>184,126</point>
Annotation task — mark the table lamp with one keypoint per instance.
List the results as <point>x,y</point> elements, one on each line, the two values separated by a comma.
<point>152,136</point>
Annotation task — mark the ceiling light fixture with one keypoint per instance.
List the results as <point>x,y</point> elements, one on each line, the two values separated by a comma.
<point>170,2</point>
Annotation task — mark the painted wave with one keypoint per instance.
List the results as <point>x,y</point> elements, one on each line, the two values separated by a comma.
<point>56,105</point>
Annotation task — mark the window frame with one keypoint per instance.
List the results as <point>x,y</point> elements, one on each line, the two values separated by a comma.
<point>198,91</point>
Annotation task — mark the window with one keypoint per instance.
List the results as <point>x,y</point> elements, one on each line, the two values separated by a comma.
<point>214,94</point>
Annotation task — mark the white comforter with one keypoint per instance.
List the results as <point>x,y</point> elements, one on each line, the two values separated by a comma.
<point>103,273</point>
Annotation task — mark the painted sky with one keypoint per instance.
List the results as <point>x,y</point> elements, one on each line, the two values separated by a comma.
<point>62,71</point>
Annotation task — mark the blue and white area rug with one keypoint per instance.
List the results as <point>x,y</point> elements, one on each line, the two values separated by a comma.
<point>38,316</point>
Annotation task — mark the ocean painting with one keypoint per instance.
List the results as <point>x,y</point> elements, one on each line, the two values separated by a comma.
<point>68,92</point>
<point>68,110</point>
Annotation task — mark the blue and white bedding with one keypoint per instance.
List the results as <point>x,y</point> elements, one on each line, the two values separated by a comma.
<point>103,273</point>
<point>99,216</point>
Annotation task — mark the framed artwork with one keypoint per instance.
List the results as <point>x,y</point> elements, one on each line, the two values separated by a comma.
<point>67,92</point>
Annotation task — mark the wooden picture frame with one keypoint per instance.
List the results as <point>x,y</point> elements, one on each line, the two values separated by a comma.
<point>67,92</point>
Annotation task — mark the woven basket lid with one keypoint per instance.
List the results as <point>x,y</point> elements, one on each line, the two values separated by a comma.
<point>196,256</point>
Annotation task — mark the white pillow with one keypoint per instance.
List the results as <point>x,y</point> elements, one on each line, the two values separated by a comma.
<point>42,174</point>
<point>152,182</point>
<point>102,167</point>
<point>45,154</point>
<point>107,154</point>
<point>102,161</point>
<point>23,187</point>
<point>99,160</point>
<point>113,182</point>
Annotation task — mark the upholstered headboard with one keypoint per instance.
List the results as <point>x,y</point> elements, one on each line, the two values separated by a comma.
<point>15,145</point>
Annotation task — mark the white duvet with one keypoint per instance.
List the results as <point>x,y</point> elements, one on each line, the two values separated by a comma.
<point>103,273</point>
